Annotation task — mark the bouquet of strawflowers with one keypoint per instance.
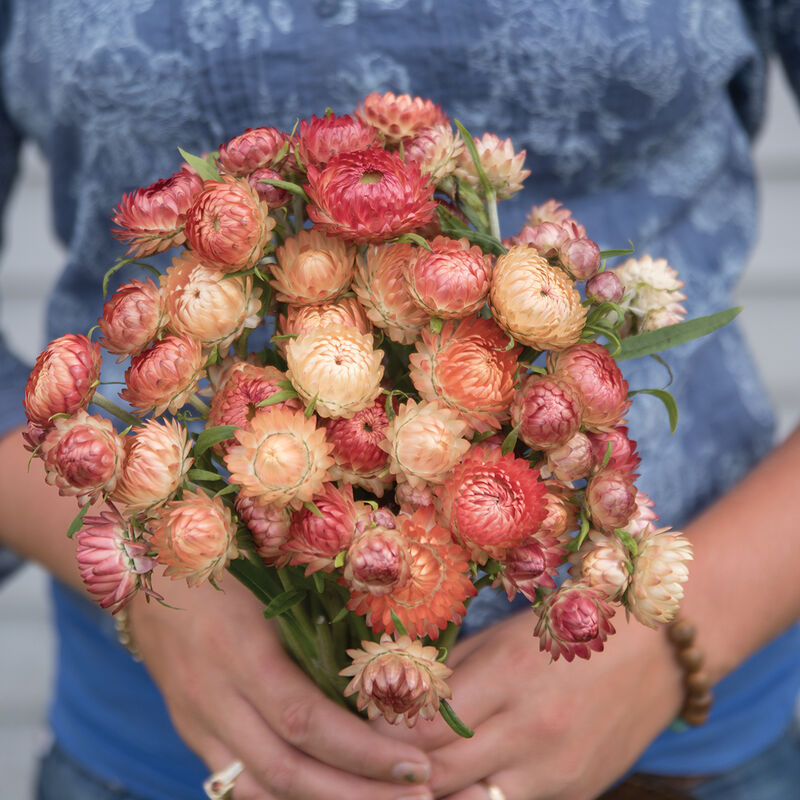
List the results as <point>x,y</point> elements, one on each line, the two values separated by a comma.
<point>437,411</point>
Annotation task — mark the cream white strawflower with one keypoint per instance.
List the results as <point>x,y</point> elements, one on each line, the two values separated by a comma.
<point>602,562</point>
<point>652,292</point>
<point>659,571</point>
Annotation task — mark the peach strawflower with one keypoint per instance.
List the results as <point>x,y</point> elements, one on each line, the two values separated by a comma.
<point>401,680</point>
<point>571,461</point>
<point>399,117</point>
<point>623,455</point>
<point>610,499</point>
<point>535,302</point>
<point>436,149</point>
<point>470,367</point>
<point>203,307</point>
<point>194,538</point>
<point>165,376</point>
<point>451,280</point>
<point>369,196</point>
<point>282,459</point>
<point>377,561</point>
<point>659,571</point>
<point>593,371</point>
<point>552,211</point>
<point>156,462</point>
<point>83,456</point>
<point>410,498</point>
<point>346,311</point>
<point>424,442</point>
<point>237,401</point>
<point>132,318</point>
<point>602,562</point>
<point>316,539</point>
<point>63,379</point>
<point>380,286</point>
<point>437,586</point>
<point>534,563</point>
<point>152,219</point>
<point>653,293</point>
<point>337,368</point>
<point>502,165</point>
<point>574,621</point>
<point>357,451</point>
<point>546,239</point>
<point>254,149</point>
<point>312,268</point>
<point>113,562</point>
<point>228,225</point>
<point>547,411</point>
<point>491,503</point>
<point>322,138</point>
<point>269,527</point>
<point>561,515</point>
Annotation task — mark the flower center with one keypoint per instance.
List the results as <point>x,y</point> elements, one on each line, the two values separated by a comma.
<point>373,176</point>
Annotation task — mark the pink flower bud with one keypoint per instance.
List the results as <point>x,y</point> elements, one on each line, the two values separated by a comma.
<point>623,454</point>
<point>610,499</point>
<point>548,238</point>
<point>605,287</point>
<point>377,562</point>
<point>533,564</point>
<point>573,460</point>
<point>269,526</point>
<point>252,150</point>
<point>273,196</point>
<point>132,318</point>
<point>410,497</point>
<point>547,411</point>
<point>580,257</point>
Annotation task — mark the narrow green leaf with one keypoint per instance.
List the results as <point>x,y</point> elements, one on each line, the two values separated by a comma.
<point>312,507</point>
<point>584,532</point>
<point>204,168</point>
<point>604,254</point>
<point>436,324</point>
<point>204,475</point>
<point>669,403</point>
<point>278,397</point>
<point>343,612</point>
<point>389,407</point>
<point>646,344</point>
<point>211,436</point>
<point>414,238</point>
<point>319,582</point>
<point>228,489</point>
<point>283,603</point>
<point>607,455</point>
<point>339,560</point>
<point>443,651</point>
<point>453,720</point>
<point>666,366</point>
<point>293,188</point>
<point>481,437</point>
<point>628,541</point>
<point>77,523</point>
<point>469,143</point>
<point>510,442</point>
<point>309,412</point>
<point>398,624</point>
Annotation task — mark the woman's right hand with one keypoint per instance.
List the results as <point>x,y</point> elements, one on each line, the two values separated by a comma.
<point>233,693</point>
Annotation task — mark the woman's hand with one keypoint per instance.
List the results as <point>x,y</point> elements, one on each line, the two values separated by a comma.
<point>233,693</point>
<point>549,730</point>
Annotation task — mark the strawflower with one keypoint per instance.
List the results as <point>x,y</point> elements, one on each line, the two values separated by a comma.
<point>132,318</point>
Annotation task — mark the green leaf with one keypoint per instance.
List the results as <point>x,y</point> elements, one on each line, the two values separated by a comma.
<point>453,226</point>
<point>77,523</point>
<point>278,397</point>
<point>628,541</point>
<point>284,602</point>
<point>453,720</point>
<point>436,324</point>
<point>481,437</point>
<point>309,412</point>
<point>229,489</point>
<point>123,262</point>
<point>399,627</point>
<point>646,344</point>
<point>607,455</point>
<point>204,475</point>
<point>312,507</point>
<point>510,442</point>
<point>206,169</point>
<point>666,366</point>
<point>211,436</point>
<point>604,254</point>
<point>389,407</point>
<point>293,188</point>
<point>469,143</point>
<point>667,399</point>
<point>339,560</point>
<point>443,651</point>
<point>319,583</point>
<point>343,612</point>
<point>414,238</point>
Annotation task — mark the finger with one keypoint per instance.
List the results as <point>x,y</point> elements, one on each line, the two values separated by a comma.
<point>498,787</point>
<point>291,774</point>
<point>305,718</point>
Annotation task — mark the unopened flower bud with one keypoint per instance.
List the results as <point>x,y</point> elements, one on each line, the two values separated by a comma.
<point>605,287</point>
<point>581,258</point>
<point>611,499</point>
<point>377,562</point>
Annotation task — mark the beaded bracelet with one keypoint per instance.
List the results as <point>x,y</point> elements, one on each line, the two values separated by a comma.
<point>122,624</point>
<point>696,681</point>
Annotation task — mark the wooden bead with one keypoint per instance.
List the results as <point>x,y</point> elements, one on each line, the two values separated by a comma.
<point>681,633</point>
<point>694,718</point>
<point>698,683</point>
<point>700,702</point>
<point>691,659</point>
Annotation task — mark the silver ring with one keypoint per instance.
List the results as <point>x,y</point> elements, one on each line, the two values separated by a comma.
<point>493,791</point>
<point>219,785</point>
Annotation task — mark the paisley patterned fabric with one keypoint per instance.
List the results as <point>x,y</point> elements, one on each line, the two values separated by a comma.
<point>637,114</point>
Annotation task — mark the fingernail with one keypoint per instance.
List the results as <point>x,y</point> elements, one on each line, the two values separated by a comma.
<point>425,796</point>
<point>411,772</point>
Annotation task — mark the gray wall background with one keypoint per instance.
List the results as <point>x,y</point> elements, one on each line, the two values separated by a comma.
<point>31,259</point>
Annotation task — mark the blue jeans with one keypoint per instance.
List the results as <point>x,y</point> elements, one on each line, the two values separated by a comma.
<point>772,775</point>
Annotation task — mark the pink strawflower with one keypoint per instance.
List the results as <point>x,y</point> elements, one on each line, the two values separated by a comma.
<point>315,540</point>
<point>194,538</point>
<point>63,379</point>
<point>572,460</point>
<point>410,497</point>
<point>113,562</point>
<point>602,562</point>
<point>381,287</point>
<point>547,239</point>
<point>401,680</point>
<point>377,561</point>
<point>594,373</point>
<point>399,117</point>
<point>491,503</point>
<point>547,411</point>
<point>451,280</point>
<point>436,149</point>
<point>322,138</point>
<point>272,195</point>
<point>228,225</point>
<point>269,527</point>
<point>132,318</point>
<point>623,455</point>
<point>643,517</point>
<point>532,564</point>
<point>605,287</point>
<point>152,219</point>
<point>83,456</point>
<point>574,621</point>
<point>552,211</point>
<point>156,462</point>
<point>580,258</point>
<point>502,165</point>
<point>610,499</point>
<point>254,149</point>
<point>470,367</point>
<point>165,376</point>
<point>369,196</point>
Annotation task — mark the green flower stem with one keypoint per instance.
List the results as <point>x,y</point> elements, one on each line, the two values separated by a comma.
<point>197,403</point>
<point>494,220</point>
<point>448,638</point>
<point>112,408</point>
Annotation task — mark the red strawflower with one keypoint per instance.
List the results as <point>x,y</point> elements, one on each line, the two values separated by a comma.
<point>322,138</point>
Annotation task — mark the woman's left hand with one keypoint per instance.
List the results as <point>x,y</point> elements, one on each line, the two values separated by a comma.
<point>560,730</point>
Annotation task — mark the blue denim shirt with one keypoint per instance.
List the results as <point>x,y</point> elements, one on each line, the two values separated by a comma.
<point>637,114</point>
